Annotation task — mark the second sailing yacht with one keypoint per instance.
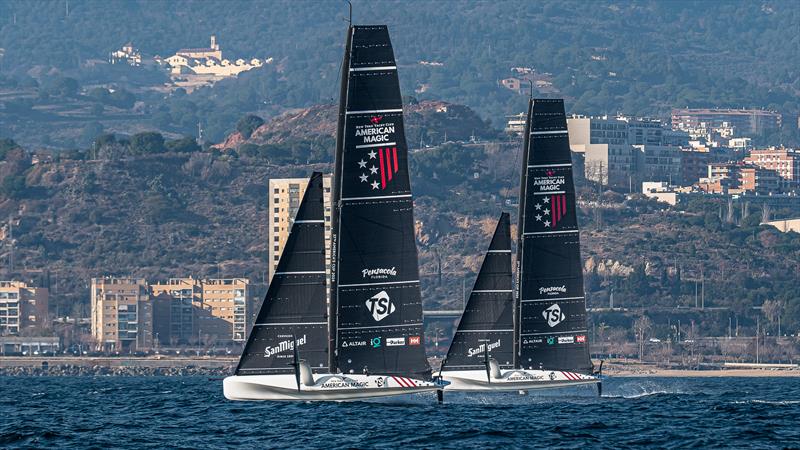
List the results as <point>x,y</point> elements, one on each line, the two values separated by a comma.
<point>545,345</point>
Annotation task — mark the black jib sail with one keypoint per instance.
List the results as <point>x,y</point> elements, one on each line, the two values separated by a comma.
<point>376,324</point>
<point>488,319</point>
<point>294,309</point>
<point>552,310</point>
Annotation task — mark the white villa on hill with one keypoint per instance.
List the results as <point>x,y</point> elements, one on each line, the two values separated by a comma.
<point>208,61</point>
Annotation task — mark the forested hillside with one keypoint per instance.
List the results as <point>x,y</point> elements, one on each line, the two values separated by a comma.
<point>148,207</point>
<point>641,57</point>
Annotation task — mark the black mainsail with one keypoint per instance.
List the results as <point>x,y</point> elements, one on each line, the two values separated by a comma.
<point>488,319</point>
<point>376,320</point>
<point>294,309</point>
<point>551,319</point>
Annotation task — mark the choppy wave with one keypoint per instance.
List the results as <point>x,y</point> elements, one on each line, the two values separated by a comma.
<point>167,412</point>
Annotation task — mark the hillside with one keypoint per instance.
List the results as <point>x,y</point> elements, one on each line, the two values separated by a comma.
<point>638,58</point>
<point>178,212</point>
<point>426,122</point>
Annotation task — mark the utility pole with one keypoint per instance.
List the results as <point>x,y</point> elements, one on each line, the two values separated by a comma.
<point>702,289</point>
<point>10,246</point>
<point>758,331</point>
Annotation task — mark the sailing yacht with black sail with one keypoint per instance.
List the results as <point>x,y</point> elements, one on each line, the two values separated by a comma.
<point>550,347</point>
<point>368,342</point>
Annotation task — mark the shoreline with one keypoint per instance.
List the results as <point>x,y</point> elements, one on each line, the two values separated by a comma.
<point>223,366</point>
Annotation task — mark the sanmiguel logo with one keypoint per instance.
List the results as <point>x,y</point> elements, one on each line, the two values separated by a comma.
<point>380,306</point>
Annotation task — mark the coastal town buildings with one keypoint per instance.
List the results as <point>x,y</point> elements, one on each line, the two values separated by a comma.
<point>131,314</point>
<point>285,195</point>
<point>622,151</point>
<point>127,54</point>
<point>22,306</point>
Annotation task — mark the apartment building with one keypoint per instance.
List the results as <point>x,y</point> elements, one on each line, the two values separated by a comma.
<point>738,178</point>
<point>784,162</point>
<point>122,314</point>
<point>22,306</point>
<point>694,164</point>
<point>174,303</point>
<point>284,200</point>
<point>222,313</point>
<point>744,122</point>
<point>622,151</point>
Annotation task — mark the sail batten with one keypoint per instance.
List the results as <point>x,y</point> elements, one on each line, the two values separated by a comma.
<point>551,308</point>
<point>487,324</point>
<point>294,308</point>
<point>376,305</point>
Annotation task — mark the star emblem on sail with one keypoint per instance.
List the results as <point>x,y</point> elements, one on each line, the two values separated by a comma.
<point>382,164</point>
<point>551,210</point>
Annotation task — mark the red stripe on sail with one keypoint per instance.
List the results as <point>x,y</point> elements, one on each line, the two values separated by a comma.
<point>554,206</point>
<point>396,166</point>
<point>383,174</point>
<point>388,165</point>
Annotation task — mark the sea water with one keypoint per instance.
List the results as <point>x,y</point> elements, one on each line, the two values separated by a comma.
<point>190,412</point>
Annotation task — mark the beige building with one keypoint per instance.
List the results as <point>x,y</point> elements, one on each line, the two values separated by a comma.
<point>785,225</point>
<point>129,313</point>
<point>122,314</point>
<point>174,303</point>
<point>285,195</point>
<point>785,163</point>
<point>21,306</point>
<point>222,313</point>
<point>208,62</point>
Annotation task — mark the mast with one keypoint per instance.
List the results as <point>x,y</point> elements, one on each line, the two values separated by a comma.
<point>293,312</point>
<point>336,195</point>
<point>487,322</point>
<point>521,226</point>
<point>376,306</point>
<point>551,306</point>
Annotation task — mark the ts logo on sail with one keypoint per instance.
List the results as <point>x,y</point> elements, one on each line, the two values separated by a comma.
<point>553,315</point>
<point>380,306</point>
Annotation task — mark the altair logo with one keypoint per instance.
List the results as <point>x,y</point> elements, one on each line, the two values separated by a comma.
<point>380,306</point>
<point>553,315</point>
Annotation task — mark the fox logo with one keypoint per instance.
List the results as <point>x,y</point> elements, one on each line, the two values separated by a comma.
<point>380,306</point>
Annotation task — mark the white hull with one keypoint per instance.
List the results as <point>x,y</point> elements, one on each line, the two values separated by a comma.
<point>325,387</point>
<point>514,380</point>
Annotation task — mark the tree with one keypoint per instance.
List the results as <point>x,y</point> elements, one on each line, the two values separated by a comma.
<point>642,327</point>
<point>248,124</point>
<point>186,144</point>
<point>773,310</point>
<point>147,142</point>
<point>6,145</point>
